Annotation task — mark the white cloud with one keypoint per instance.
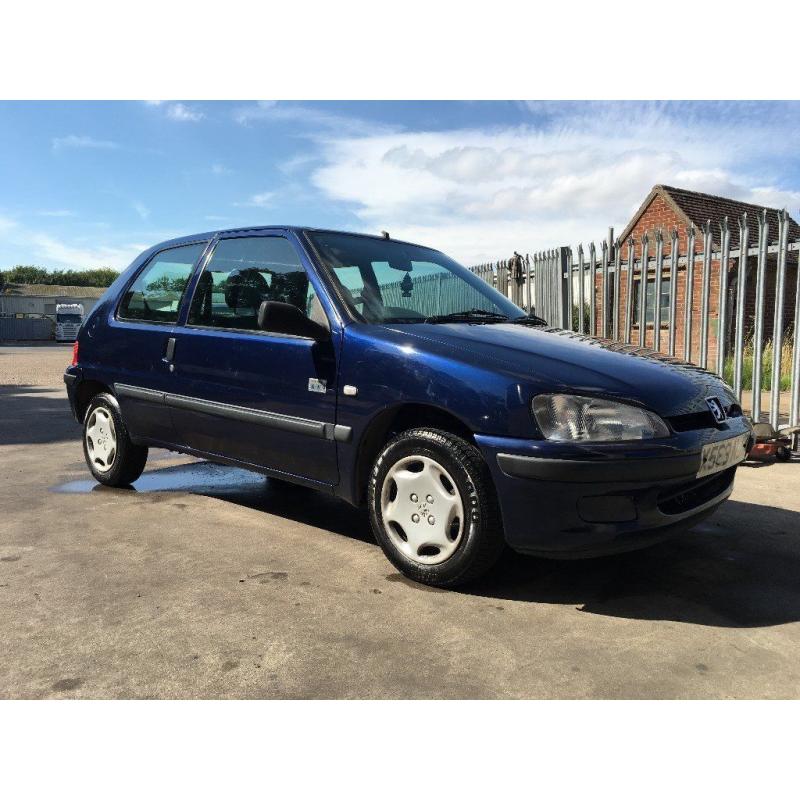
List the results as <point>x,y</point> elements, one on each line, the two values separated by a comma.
<point>297,163</point>
<point>7,224</point>
<point>59,212</point>
<point>254,111</point>
<point>141,209</point>
<point>310,121</point>
<point>60,253</point>
<point>82,142</point>
<point>184,113</point>
<point>260,200</point>
<point>220,169</point>
<point>481,193</point>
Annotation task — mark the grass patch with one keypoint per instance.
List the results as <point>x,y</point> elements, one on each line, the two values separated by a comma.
<point>785,366</point>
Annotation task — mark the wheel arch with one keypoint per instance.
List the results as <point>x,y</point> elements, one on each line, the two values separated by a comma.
<point>88,389</point>
<point>396,419</point>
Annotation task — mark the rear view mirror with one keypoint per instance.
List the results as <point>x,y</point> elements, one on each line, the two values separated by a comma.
<point>277,317</point>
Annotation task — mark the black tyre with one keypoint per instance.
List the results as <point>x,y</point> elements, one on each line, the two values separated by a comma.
<point>110,455</point>
<point>434,509</point>
<point>783,454</point>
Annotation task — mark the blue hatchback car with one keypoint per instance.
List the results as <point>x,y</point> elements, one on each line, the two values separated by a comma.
<point>386,374</point>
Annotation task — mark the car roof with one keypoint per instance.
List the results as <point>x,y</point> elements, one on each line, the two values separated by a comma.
<point>196,237</point>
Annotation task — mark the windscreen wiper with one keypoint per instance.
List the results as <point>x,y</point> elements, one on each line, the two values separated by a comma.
<point>530,319</point>
<point>478,315</point>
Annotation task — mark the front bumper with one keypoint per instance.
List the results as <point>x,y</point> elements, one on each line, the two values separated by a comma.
<point>573,501</point>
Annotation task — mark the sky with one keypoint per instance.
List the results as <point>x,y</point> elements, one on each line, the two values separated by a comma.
<point>89,184</point>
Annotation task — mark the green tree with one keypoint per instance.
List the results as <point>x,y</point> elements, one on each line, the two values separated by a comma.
<point>25,274</point>
<point>100,277</point>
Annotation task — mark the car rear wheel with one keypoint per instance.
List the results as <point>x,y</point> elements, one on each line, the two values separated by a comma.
<point>112,458</point>
<point>433,508</point>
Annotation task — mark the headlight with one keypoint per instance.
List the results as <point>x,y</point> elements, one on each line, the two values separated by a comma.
<point>570,418</point>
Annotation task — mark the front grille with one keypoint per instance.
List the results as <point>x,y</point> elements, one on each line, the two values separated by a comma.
<point>692,422</point>
<point>679,499</point>
<point>701,419</point>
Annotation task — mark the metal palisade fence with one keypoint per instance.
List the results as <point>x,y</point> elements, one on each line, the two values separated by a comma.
<point>724,298</point>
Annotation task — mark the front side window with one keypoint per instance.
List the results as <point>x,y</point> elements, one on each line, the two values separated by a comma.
<point>386,281</point>
<point>243,273</point>
<point>155,295</point>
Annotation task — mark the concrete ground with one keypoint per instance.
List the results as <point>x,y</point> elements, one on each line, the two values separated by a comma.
<point>207,581</point>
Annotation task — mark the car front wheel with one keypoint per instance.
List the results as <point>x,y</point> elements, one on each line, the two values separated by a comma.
<point>433,508</point>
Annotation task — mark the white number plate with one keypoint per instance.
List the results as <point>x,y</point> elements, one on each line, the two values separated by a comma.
<point>718,456</point>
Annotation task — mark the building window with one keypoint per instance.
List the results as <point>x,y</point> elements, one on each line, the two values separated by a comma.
<point>650,304</point>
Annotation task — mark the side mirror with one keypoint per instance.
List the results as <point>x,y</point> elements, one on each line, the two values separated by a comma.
<point>286,318</point>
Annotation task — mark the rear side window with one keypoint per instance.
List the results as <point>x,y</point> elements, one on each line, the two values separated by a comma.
<point>244,272</point>
<point>155,295</point>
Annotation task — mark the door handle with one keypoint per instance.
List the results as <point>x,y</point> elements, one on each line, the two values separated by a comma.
<point>169,353</point>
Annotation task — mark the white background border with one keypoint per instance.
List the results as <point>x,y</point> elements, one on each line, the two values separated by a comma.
<point>408,50</point>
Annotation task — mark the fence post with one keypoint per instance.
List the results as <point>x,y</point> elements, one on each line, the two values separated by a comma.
<point>592,288</point>
<point>758,338</point>
<point>688,296</point>
<point>568,324</point>
<point>580,289</point>
<point>528,305</point>
<point>629,295</point>
<point>705,294</point>
<point>617,271</point>
<point>657,291</point>
<point>741,287</point>
<point>604,281</point>
<point>643,291</point>
<point>777,326</point>
<point>674,255</point>
<point>722,305</point>
<point>543,283</point>
<point>794,410</point>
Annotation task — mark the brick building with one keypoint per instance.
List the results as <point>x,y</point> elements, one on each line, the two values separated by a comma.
<point>667,208</point>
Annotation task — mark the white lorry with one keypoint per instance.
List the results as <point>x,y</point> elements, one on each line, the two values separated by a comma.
<point>69,317</point>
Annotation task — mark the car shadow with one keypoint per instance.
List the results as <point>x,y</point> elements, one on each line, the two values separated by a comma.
<point>739,568</point>
<point>33,415</point>
<point>247,489</point>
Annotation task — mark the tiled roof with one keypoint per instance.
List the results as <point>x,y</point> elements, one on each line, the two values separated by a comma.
<point>701,207</point>
<point>45,290</point>
<point>697,208</point>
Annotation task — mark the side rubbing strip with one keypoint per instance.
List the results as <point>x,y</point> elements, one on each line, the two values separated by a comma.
<point>307,427</point>
<point>124,390</point>
<point>282,422</point>
<point>342,433</point>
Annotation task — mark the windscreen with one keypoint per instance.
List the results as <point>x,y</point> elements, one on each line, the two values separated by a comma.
<point>72,319</point>
<point>386,281</point>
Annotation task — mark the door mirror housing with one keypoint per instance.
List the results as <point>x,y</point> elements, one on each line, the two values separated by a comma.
<point>277,317</point>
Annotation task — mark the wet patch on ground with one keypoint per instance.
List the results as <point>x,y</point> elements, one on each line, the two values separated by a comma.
<point>67,684</point>
<point>202,477</point>
<point>268,577</point>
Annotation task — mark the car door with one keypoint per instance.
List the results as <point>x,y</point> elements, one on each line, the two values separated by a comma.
<point>136,344</point>
<point>256,397</point>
